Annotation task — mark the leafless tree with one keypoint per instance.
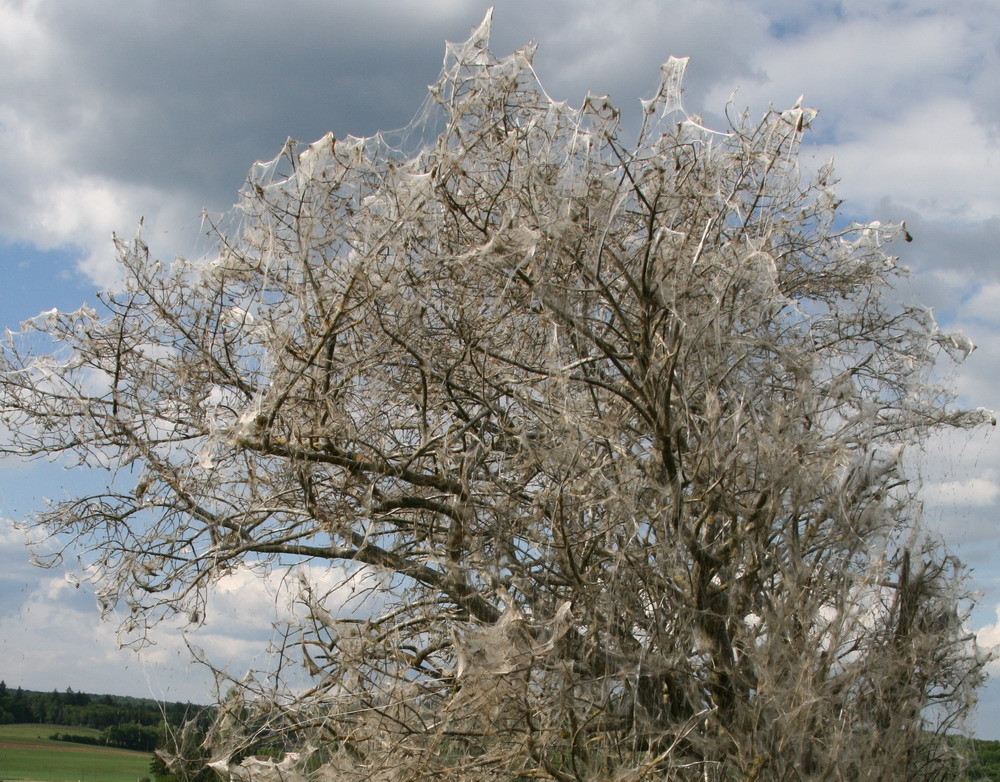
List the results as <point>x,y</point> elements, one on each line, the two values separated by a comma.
<point>613,431</point>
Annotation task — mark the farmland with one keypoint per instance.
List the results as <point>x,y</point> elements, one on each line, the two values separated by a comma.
<point>27,753</point>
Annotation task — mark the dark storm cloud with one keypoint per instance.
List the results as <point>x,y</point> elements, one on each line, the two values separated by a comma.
<point>187,95</point>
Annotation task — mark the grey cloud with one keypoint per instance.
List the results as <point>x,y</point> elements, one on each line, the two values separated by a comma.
<point>17,580</point>
<point>616,48</point>
<point>951,260</point>
<point>187,96</point>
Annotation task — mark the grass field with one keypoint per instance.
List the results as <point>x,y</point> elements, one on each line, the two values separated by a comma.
<point>26,753</point>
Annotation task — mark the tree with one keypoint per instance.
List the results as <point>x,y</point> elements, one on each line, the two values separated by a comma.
<point>613,432</point>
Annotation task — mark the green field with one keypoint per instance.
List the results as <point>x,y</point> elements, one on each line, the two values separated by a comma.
<point>26,753</point>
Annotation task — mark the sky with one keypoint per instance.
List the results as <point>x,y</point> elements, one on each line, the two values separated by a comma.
<point>116,110</point>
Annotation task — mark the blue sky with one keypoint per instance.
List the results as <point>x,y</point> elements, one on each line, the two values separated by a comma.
<point>112,110</point>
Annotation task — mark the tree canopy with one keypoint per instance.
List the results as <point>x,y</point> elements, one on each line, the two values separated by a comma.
<point>611,432</point>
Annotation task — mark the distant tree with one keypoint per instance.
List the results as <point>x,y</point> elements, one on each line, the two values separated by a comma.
<point>76,698</point>
<point>6,713</point>
<point>986,760</point>
<point>613,431</point>
<point>159,771</point>
<point>132,736</point>
<point>19,707</point>
<point>53,713</point>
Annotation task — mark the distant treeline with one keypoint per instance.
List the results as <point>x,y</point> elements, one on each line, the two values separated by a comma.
<point>126,722</point>
<point>986,760</point>
<point>142,738</point>
<point>139,723</point>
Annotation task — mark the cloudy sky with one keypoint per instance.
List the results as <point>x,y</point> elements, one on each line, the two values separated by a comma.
<point>112,110</point>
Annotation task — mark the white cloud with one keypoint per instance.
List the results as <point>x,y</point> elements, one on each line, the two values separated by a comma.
<point>55,640</point>
<point>900,91</point>
<point>934,158</point>
<point>57,203</point>
<point>971,492</point>
<point>617,47</point>
<point>10,538</point>
<point>248,610</point>
<point>983,306</point>
<point>24,41</point>
<point>859,62</point>
<point>960,491</point>
<point>57,619</point>
<point>988,637</point>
